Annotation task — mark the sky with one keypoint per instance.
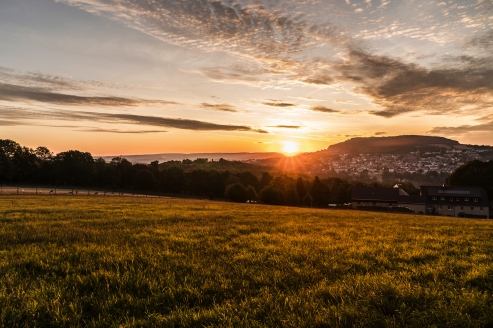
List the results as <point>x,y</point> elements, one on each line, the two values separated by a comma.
<point>116,77</point>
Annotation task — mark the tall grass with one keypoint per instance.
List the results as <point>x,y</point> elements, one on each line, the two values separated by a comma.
<point>109,262</point>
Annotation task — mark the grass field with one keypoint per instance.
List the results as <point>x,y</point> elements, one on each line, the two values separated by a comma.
<point>133,262</point>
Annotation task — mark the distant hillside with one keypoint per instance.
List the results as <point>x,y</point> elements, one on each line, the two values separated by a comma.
<point>398,144</point>
<point>147,158</point>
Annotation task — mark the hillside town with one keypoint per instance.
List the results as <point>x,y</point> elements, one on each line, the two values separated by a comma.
<point>377,166</point>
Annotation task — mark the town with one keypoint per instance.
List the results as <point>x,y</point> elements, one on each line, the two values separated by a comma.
<point>430,165</point>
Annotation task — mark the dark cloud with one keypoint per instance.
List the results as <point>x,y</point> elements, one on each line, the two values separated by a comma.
<point>231,75</point>
<point>462,129</point>
<point>8,123</point>
<point>319,79</point>
<point>484,41</point>
<point>120,118</point>
<point>11,92</point>
<point>399,87</point>
<point>37,79</point>
<point>323,109</point>
<point>122,131</point>
<point>278,103</point>
<point>286,126</point>
<point>380,133</point>
<point>219,107</point>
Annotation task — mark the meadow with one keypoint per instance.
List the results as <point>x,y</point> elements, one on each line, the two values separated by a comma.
<point>86,261</point>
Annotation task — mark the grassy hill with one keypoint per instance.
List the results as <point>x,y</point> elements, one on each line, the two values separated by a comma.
<point>141,262</point>
<point>397,144</point>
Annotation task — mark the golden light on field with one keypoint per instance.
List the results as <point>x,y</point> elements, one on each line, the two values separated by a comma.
<point>289,147</point>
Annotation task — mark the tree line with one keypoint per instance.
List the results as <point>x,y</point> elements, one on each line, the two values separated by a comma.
<point>76,169</point>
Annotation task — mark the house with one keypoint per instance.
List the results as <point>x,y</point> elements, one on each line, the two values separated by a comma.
<point>386,199</point>
<point>456,201</point>
<point>450,201</point>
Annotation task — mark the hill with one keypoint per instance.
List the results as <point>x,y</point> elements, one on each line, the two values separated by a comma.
<point>164,157</point>
<point>81,261</point>
<point>397,144</point>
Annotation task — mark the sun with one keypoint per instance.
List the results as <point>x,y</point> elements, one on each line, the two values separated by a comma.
<point>289,147</point>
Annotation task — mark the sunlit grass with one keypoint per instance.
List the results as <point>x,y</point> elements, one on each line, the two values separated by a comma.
<point>99,262</point>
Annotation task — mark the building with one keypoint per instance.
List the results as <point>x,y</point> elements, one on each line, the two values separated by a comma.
<point>394,199</point>
<point>450,201</point>
<point>456,201</point>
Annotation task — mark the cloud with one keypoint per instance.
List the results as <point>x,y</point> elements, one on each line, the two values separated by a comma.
<point>231,75</point>
<point>319,78</point>
<point>267,33</point>
<point>484,41</point>
<point>323,109</point>
<point>278,103</point>
<point>8,123</point>
<point>219,107</point>
<point>12,113</point>
<point>462,129</point>
<point>56,82</point>
<point>380,133</point>
<point>286,126</point>
<point>463,85</point>
<point>297,42</point>
<point>122,131</point>
<point>31,79</point>
<point>11,92</point>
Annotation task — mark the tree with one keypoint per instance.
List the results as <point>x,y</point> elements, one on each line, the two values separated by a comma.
<point>6,168</point>
<point>251,193</point>
<point>248,178</point>
<point>271,195</point>
<point>145,180</point>
<point>198,181</point>
<point>26,164</point>
<point>9,147</point>
<point>265,180</point>
<point>236,193</point>
<point>338,190</point>
<point>320,193</point>
<point>307,200</point>
<point>475,174</point>
<point>120,173</point>
<point>301,187</point>
<point>74,167</point>
<point>290,194</point>
<point>43,153</point>
<point>174,180</point>
<point>232,180</point>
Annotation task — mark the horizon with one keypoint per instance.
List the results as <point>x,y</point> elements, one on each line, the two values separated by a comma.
<point>161,77</point>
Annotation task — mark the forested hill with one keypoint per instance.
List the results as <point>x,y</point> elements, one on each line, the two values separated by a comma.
<point>397,144</point>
